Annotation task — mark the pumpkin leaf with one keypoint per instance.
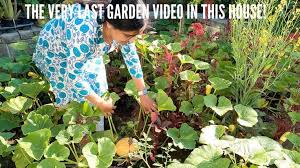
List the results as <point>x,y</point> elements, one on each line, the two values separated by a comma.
<point>32,89</point>
<point>35,143</point>
<point>294,138</point>
<point>161,82</point>
<point>174,47</point>
<point>164,102</point>
<point>219,163</point>
<point>190,76</point>
<point>185,137</point>
<point>212,134</point>
<point>247,116</point>
<point>50,163</point>
<point>187,108</point>
<point>180,165</point>
<point>47,109</point>
<point>57,151</point>
<point>4,77</point>
<point>200,65</point>
<point>295,117</point>
<point>185,59</point>
<point>17,105</point>
<point>36,122</point>
<point>9,92</point>
<point>101,154</point>
<point>73,134</point>
<point>5,148</point>
<point>204,153</point>
<point>9,121</point>
<point>219,83</point>
<point>21,158</point>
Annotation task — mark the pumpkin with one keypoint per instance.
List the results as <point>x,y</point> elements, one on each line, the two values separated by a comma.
<point>208,89</point>
<point>125,146</point>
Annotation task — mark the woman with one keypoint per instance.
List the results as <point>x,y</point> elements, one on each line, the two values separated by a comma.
<point>70,53</point>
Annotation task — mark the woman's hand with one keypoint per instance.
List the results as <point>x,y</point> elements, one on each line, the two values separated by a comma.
<point>148,104</point>
<point>106,107</point>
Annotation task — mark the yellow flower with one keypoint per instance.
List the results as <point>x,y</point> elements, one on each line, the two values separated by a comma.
<point>264,37</point>
<point>283,2</point>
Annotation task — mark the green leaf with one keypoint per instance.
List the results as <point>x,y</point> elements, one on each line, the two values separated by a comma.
<point>247,116</point>
<point>56,129</point>
<point>10,92</point>
<point>210,100</point>
<point>21,45</point>
<point>180,165</point>
<point>35,143</point>
<point>57,151</point>
<point>101,155</point>
<point>161,82</point>
<point>224,105</point>
<point>190,76</point>
<point>50,163</point>
<point>164,102</point>
<point>21,158</point>
<point>5,148</point>
<point>36,122</point>
<point>204,153</point>
<point>47,109</point>
<point>72,112</point>
<point>114,96</point>
<point>294,138</point>
<point>219,163</point>
<point>200,65</point>
<point>4,61</point>
<point>198,103</point>
<point>219,83</point>
<point>4,77</point>
<point>186,107</point>
<point>9,121</point>
<point>184,138</point>
<point>32,89</point>
<point>131,89</point>
<point>174,47</point>
<point>185,59</point>
<point>7,135</point>
<point>295,117</point>
<point>17,105</point>
<point>73,134</point>
<point>213,135</point>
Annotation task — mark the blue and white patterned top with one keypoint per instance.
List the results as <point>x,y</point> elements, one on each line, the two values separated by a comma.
<point>70,53</point>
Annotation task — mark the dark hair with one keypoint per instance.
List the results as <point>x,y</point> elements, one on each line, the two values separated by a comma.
<point>125,24</point>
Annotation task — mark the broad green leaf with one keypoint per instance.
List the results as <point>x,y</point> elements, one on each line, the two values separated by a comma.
<point>50,163</point>
<point>32,89</point>
<point>17,105</point>
<point>219,163</point>
<point>213,135</point>
<point>184,138</point>
<point>219,83</point>
<point>156,46</point>
<point>164,102</point>
<point>200,65</point>
<point>190,76</point>
<point>174,47</point>
<point>4,77</point>
<point>286,163</point>
<point>114,96</point>
<point>295,117</point>
<point>87,109</point>
<point>161,82</point>
<point>35,143</point>
<point>56,129</point>
<point>17,68</point>
<point>9,92</point>
<point>57,151</point>
<point>4,61</point>
<point>294,138</point>
<point>21,158</point>
<point>73,134</point>
<point>185,59</point>
<point>24,59</point>
<point>180,165</point>
<point>101,155</point>
<point>198,103</point>
<point>204,153</point>
<point>210,100</point>
<point>5,148</point>
<point>186,107</point>
<point>246,148</point>
<point>47,109</point>
<point>72,112</point>
<point>21,45</point>
<point>9,121</point>
<point>131,89</point>
<point>7,135</point>
<point>247,116</point>
<point>224,105</point>
<point>36,122</point>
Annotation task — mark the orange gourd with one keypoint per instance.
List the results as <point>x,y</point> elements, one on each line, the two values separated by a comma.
<point>125,146</point>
